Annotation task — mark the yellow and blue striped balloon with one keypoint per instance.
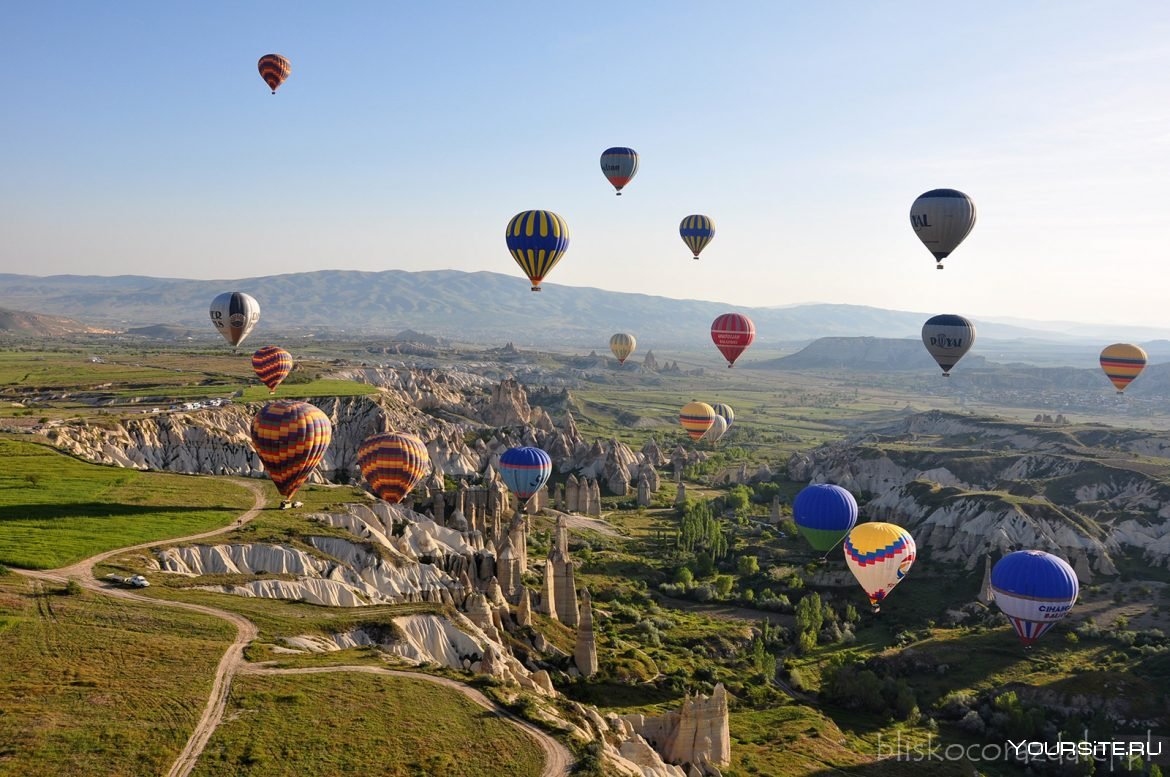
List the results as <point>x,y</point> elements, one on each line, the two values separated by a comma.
<point>537,240</point>
<point>697,231</point>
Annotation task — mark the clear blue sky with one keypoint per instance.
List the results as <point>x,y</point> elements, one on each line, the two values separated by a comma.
<point>139,138</point>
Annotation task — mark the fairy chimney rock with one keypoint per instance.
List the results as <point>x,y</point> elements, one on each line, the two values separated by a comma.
<point>585,651</point>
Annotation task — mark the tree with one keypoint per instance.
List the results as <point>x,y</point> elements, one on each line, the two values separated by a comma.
<point>684,576</point>
<point>747,565</point>
<point>723,585</point>
<point>738,498</point>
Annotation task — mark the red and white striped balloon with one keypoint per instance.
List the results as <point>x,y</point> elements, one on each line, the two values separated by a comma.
<point>732,333</point>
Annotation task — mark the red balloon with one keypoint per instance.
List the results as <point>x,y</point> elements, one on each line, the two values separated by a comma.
<point>732,333</point>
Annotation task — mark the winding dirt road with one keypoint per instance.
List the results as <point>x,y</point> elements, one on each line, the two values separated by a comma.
<point>558,760</point>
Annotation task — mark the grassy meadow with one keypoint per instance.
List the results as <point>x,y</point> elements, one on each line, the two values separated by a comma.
<point>55,510</point>
<point>288,726</point>
<point>92,685</point>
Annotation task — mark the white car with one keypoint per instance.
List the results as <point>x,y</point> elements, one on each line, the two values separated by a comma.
<point>138,581</point>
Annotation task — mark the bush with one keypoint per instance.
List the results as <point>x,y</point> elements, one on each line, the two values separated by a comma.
<point>684,577</point>
<point>704,593</point>
<point>4,570</point>
<point>723,585</point>
<point>72,588</point>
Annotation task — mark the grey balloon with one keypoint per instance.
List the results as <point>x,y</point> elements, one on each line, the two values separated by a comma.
<point>942,219</point>
<point>948,337</point>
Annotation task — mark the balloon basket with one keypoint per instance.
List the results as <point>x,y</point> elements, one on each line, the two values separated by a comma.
<point>536,288</point>
<point>946,375</point>
<point>938,267</point>
<point>619,194</point>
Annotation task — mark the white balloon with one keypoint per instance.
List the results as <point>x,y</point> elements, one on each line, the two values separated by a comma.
<point>235,314</point>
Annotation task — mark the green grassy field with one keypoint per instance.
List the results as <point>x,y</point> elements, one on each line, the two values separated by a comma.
<point>55,510</point>
<point>280,726</point>
<point>91,685</point>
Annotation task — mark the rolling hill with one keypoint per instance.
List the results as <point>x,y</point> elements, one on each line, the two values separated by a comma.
<point>476,307</point>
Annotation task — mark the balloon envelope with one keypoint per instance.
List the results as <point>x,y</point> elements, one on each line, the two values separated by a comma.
<point>942,219</point>
<point>622,345</point>
<point>696,418</point>
<point>1034,590</point>
<point>824,514</point>
<point>537,240</point>
<point>291,439</point>
<point>947,338</point>
<point>879,555</point>
<point>272,365</point>
<point>393,463</point>
<point>732,333</point>
<point>235,314</point>
<point>697,231</point>
<point>620,165</point>
<point>717,430</point>
<point>1122,363</point>
<point>525,470</point>
<point>274,69</point>
<point>724,411</point>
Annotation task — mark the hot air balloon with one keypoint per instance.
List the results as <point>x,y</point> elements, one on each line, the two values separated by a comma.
<point>620,165</point>
<point>696,418</point>
<point>724,411</point>
<point>697,232</point>
<point>525,471</point>
<point>942,218</point>
<point>732,333</point>
<point>879,555</point>
<point>235,314</point>
<point>393,463</point>
<point>824,514</point>
<point>272,365</point>
<point>717,430</point>
<point>622,346</point>
<point>537,239</point>
<point>290,438</point>
<point>947,338</point>
<point>1034,590</point>
<point>1122,363</point>
<point>274,69</point>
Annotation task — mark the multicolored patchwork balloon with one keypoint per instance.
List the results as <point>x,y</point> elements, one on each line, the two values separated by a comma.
<point>393,463</point>
<point>272,365</point>
<point>291,439</point>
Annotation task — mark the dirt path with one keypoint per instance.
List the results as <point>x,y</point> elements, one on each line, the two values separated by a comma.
<point>557,759</point>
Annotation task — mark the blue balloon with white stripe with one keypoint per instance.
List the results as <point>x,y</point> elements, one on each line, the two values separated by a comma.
<point>1034,590</point>
<point>525,470</point>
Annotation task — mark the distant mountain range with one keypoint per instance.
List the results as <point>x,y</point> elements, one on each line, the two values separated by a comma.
<point>478,307</point>
<point>20,322</point>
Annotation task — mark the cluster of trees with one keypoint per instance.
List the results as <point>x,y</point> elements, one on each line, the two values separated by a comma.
<point>700,531</point>
<point>854,686</point>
